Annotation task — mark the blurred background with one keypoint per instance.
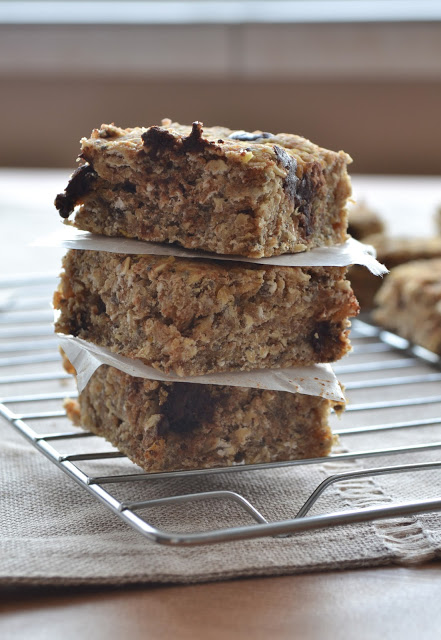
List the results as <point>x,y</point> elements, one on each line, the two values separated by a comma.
<point>358,75</point>
<point>363,76</point>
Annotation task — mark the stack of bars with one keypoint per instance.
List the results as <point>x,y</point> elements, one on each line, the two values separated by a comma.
<point>242,197</point>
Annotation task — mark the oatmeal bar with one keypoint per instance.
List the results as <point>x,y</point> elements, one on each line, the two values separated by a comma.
<point>167,426</point>
<point>228,192</point>
<point>363,221</point>
<point>391,251</point>
<point>409,303</point>
<point>194,317</point>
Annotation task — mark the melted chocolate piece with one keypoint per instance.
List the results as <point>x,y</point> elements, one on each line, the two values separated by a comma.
<point>309,185</point>
<point>80,183</point>
<point>195,141</point>
<point>301,191</point>
<point>129,187</point>
<point>325,335</point>
<point>186,408</point>
<point>290,164</point>
<point>244,136</point>
<point>160,139</point>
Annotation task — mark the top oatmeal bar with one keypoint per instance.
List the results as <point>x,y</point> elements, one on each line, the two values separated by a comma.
<point>228,192</point>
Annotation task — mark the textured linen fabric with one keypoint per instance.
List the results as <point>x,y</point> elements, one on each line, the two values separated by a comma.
<point>53,532</point>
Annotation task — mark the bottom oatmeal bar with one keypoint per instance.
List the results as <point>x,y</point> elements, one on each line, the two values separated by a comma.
<point>169,426</point>
<point>409,303</point>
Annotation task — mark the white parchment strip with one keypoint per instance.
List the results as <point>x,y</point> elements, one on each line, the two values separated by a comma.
<point>316,380</point>
<point>351,252</point>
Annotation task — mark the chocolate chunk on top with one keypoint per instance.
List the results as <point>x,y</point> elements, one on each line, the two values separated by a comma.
<point>160,138</point>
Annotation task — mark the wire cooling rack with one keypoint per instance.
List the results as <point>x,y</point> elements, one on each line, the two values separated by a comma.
<point>33,386</point>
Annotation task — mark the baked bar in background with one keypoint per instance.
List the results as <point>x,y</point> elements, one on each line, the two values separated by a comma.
<point>363,221</point>
<point>228,192</point>
<point>409,303</point>
<point>169,426</point>
<point>391,251</point>
<point>193,317</point>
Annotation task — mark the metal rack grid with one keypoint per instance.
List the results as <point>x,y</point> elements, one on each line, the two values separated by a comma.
<point>28,348</point>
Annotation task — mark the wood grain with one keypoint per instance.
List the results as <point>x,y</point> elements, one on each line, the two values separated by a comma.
<point>369,604</point>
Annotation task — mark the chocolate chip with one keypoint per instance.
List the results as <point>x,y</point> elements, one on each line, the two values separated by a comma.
<point>158,139</point>
<point>311,182</point>
<point>283,158</point>
<point>79,184</point>
<point>186,408</point>
<point>129,187</point>
<point>301,191</point>
<point>244,136</point>
<point>267,289</point>
<point>195,141</point>
<point>290,165</point>
<point>323,334</point>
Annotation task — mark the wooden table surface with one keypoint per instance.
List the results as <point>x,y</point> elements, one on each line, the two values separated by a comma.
<point>385,602</point>
<point>369,604</point>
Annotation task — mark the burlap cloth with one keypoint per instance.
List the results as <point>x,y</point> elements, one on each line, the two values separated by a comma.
<point>53,532</point>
